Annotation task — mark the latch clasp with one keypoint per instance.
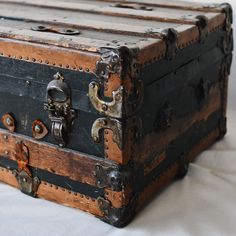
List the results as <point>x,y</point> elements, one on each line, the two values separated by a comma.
<point>27,183</point>
<point>59,108</point>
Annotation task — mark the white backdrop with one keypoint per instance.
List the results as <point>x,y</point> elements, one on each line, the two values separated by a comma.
<point>204,203</point>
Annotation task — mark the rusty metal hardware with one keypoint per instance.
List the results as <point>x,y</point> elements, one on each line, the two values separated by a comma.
<point>39,130</point>
<point>27,183</point>
<point>9,122</point>
<point>110,177</point>
<point>65,31</point>
<point>132,6</point>
<point>111,124</point>
<point>118,217</point>
<point>113,108</point>
<point>111,214</point>
<point>117,107</point>
<point>110,63</point>
<point>171,38</point>
<point>202,25</point>
<point>59,108</point>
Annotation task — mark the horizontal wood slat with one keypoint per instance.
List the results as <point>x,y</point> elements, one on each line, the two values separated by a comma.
<point>54,56</point>
<point>59,195</point>
<point>158,13</point>
<point>176,4</point>
<point>73,165</point>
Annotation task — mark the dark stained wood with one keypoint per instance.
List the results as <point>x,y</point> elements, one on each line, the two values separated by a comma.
<point>171,173</point>
<point>149,144</point>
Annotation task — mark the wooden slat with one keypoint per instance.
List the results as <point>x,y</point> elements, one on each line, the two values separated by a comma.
<point>158,13</point>
<point>54,56</point>
<point>60,195</point>
<point>58,18</point>
<point>73,165</point>
<point>176,4</point>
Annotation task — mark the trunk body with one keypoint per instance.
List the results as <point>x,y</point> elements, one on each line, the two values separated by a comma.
<point>105,102</point>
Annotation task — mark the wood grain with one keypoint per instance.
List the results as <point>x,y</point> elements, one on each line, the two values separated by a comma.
<point>59,195</point>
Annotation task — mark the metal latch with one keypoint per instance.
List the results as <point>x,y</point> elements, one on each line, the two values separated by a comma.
<point>59,108</point>
<point>27,183</point>
<point>65,31</point>
<point>133,6</point>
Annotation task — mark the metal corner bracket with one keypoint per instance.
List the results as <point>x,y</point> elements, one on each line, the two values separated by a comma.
<point>111,177</point>
<point>110,63</point>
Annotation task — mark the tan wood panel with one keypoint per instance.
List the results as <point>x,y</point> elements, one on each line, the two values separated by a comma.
<point>49,55</point>
<point>158,13</point>
<point>58,18</point>
<point>177,4</point>
<point>73,165</point>
<point>56,194</point>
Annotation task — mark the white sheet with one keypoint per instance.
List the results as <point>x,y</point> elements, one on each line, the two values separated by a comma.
<point>204,203</point>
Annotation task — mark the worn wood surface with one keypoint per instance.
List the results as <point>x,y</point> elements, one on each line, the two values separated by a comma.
<point>109,22</point>
<point>54,193</point>
<point>64,162</point>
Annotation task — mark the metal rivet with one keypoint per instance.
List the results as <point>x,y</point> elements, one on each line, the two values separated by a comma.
<point>9,121</point>
<point>24,180</point>
<point>104,107</point>
<point>57,76</point>
<point>28,82</point>
<point>38,129</point>
<point>95,138</point>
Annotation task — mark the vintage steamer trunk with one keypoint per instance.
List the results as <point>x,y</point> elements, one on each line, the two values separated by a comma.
<point>104,102</point>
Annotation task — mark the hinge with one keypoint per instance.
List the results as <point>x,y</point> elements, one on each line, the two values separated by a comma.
<point>171,38</point>
<point>111,177</point>
<point>112,108</point>
<point>108,123</point>
<point>121,104</point>
<point>27,183</point>
<point>119,131</point>
<point>110,63</point>
<point>202,24</point>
